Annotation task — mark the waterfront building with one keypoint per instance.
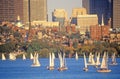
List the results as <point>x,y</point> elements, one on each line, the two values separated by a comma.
<point>59,15</point>
<point>99,7</point>
<point>10,9</point>
<point>85,21</point>
<point>99,32</point>
<point>115,13</point>
<point>75,13</point>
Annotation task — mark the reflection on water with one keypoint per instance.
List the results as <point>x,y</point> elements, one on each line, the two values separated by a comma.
<point>21,69</point>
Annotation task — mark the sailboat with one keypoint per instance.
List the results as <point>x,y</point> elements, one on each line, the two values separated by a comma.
<point>3,56</point>
<point>62,62</point>
<point>23,57</point>
<point>91,60</point>
<point>12,56</point>
<point>36,62</point>
<point>31,56</point>
<point>104,65</point>
<point>76,56</point>
<point>85,62</point>
<point>98,60</point>
<point>113,60</point>
<point>51,61</point>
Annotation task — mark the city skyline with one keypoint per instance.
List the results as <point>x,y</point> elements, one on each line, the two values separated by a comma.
<point>68,5</point>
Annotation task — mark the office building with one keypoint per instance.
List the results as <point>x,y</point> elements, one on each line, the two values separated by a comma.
<point>11,9</point>
<point>115,14</point>
<point>99,7</point>
<point>59,15</point>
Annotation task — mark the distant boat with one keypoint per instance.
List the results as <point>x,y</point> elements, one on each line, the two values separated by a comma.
<point>51,61</point>
<point>113,60</point>
<point>91,60</point>
<point>23,57</point>
<point>3,56</point>
<point>31,56</point>
<point>85,62</point>
<point>104,64</point>
<point>12,56</point>
<point>98,60</point>
<point>62,62</point>
<point>76,56</point>
<point>36,62</point>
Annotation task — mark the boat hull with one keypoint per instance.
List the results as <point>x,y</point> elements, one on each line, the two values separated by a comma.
<point>62,68</point>
<point>50,68</point>
<point>104,70</point>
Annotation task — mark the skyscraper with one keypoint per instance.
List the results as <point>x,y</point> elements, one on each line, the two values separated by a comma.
<point>10,9</point>
<point>99,7</point>
<point>38,10</point>
<point>115,13</point>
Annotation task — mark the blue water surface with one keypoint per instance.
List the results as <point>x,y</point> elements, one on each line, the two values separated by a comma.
<point>21,69</point>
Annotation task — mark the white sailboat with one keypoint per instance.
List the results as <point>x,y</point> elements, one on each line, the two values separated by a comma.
<point>62,62</point>
<point>113,60</point>
<point>90,58</point>
<point>51,61</point>
<point>31,56</point>
<point>98,60</point>
<point>23,57</point>
<point>12,56</point>
<point>3,56</point>
<point>36,62</point>
<point>91,61</point>
<point>104,64</point>
<point>85,62</point>
<point>76,56</point>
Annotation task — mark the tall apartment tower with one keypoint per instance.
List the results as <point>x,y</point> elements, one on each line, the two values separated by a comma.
<point>99,7</point>
<point>115,13</point>
<point>10,9</point>
<point>38,10</point>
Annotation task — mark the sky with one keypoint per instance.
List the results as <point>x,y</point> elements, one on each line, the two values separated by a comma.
<point>68,5</point>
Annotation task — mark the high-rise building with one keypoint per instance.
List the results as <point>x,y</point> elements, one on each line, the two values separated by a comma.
<point>99,7</point>
<point>59,15</point>
<point>115,13</point>
<point>10,9</point>
<point>38,10</point>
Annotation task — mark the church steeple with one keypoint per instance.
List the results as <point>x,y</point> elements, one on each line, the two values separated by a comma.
<point>102,24</point>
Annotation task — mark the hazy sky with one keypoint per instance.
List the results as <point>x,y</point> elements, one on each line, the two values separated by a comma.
<point>68,5</point>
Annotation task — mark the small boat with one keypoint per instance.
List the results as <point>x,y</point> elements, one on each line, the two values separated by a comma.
<point>98,60</point>
<point>62,62</point>
<point>31,56</point>
<point>113,60</point>
<point>36,62</point>
<point>12,56</point>
<point>23,57</point>
<point>85,62</point>
<point>51,61</point>
<point>76,56</point>
<point>3,56</point>
<point>104,65</point>
<point>91,60</point>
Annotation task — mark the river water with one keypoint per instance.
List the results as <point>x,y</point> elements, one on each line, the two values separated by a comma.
<point>21,69</point>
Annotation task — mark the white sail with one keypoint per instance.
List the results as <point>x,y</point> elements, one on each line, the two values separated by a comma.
<point>24,57</point>
<point>90,58</point>
<point>31,56</point>
<point>52,59</point>
<point>36,62</point>
<point>12,56</point>
<point>3,56</point>
<point>104,62</point>
<point>76,56</point>
<point>98,59</point>
<point>85,62</point>
<point>113,60</point>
